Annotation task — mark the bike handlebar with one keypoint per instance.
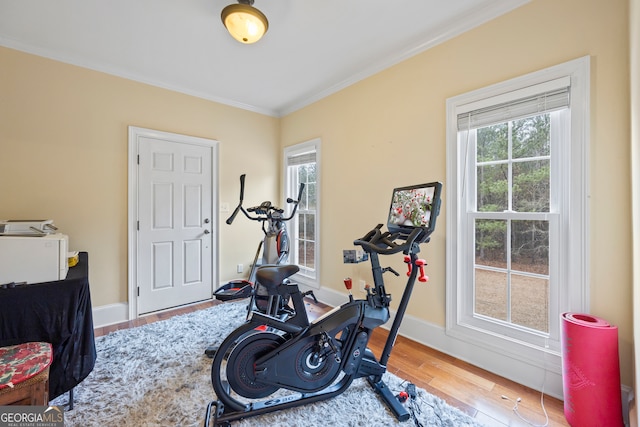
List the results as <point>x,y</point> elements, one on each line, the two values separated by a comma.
<point>384,243</point>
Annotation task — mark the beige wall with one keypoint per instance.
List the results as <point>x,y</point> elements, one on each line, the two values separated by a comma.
<point>63,136</point>
<point>63,155</point>
<point>389,130</point>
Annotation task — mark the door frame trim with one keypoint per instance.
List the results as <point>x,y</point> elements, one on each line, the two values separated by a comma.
<point>132,209</point>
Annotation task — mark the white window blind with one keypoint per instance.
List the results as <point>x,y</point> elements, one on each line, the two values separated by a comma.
<point>538,99</point>
<point>301,159</point>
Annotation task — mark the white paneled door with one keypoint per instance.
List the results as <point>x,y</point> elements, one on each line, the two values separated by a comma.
<point>175,233</point>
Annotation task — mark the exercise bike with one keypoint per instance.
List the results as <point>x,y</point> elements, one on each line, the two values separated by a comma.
<point>268,364</point>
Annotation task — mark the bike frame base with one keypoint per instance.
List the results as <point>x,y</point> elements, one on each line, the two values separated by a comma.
<point>389,398</point>
<point>222,418</point>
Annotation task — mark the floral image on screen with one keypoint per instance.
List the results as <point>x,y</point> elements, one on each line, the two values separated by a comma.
<point>412,207</point>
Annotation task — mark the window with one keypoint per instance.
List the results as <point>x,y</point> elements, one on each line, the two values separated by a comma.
<point>517,210</point>
<point>301,167</point>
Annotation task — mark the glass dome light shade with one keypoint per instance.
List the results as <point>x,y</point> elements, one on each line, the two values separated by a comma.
<point>245,23</point>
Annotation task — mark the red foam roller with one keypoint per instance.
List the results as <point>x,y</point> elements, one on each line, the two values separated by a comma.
<point>590,371</point>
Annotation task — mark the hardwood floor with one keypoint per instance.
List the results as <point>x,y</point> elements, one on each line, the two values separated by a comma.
<point>474,391</point>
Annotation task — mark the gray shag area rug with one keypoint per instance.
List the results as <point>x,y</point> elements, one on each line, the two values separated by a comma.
<point>158,375</point>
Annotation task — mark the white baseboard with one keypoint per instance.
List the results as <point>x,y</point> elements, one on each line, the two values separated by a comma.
<point>110,314</point>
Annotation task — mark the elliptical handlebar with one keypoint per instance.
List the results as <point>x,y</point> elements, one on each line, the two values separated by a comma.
<point>384,242</point>
<point>239,207</point>
<point>264,211</point>
<point>295,206</point>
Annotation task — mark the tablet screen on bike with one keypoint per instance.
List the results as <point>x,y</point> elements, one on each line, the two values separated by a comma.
<point>414,206</point>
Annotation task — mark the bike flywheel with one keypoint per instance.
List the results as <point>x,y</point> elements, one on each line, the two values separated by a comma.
<point>241,364</point>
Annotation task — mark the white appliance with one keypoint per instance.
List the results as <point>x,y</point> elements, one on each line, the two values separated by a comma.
<point>33,259</point>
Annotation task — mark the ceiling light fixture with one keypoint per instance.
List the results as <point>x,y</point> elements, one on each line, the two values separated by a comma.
<point>244,22</point>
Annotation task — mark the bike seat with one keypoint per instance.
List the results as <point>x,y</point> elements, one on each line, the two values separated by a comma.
<point>272,276</point>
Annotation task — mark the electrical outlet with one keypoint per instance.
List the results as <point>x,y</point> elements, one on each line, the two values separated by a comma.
<point>363,283</point>
<point>239,268</point>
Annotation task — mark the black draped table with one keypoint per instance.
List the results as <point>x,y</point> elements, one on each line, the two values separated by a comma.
<point>59,313</point>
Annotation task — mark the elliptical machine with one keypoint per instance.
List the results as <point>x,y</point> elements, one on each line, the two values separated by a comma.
<point>275,251</point>
<point>307,361</point>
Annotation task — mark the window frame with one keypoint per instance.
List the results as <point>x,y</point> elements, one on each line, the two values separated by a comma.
<point>292,225</point>
<point>570,271</point>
